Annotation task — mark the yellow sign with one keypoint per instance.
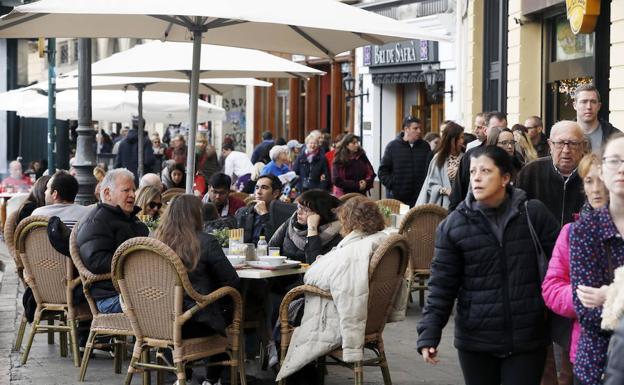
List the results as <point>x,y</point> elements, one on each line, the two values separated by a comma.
<point>583,15</point>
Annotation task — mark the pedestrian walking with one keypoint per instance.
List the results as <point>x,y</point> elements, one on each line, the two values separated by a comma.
<point>352,171</point>
<point>403,168</point>
<point>484,259</point>
<point>596,250</point>
<point>443,167</point>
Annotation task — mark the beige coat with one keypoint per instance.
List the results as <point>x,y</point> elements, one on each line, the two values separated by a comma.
<point>613,308</point>
<point>340,322</point>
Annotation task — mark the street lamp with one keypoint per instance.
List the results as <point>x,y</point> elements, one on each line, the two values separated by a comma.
<point>430,78</point>
<point>349,85</point>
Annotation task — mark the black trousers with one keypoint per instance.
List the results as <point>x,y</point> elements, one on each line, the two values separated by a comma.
<point>518,369</point>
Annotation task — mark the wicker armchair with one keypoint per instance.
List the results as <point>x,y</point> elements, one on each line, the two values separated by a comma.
<point>51,277</point>
<point>9,238</point>
<point>348,196</point>
<point>385,272</point>
<point>153,281</point>
<point>171,193</point>
<point>114,324</point>
<point>393,204</point>
<point>240,195</point>
<point>419,227</point>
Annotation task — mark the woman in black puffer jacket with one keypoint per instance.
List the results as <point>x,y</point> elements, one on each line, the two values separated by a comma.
<point>486,259</point>
<point>311,166</point>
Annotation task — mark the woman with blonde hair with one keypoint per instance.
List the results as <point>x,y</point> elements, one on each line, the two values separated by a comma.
<point>149,199</point>
<point>524,147</point>
<point>208,268</point>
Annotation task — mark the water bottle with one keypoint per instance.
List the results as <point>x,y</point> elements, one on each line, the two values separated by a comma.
<point>262,250</point>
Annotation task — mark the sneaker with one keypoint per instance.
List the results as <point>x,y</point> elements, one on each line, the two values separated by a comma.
<point>206,382</point>
<point>272,351</point>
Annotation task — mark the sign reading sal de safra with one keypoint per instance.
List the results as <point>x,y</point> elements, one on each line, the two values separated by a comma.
<point>583,15</point>
<point>401,53</point>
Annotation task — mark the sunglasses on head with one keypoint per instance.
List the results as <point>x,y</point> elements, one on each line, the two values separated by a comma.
<point>154,205</point>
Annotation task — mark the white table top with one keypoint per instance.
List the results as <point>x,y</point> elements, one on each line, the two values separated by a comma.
<point>251,273</point>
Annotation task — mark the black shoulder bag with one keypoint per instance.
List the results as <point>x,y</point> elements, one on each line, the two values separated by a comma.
<point>559,328</point>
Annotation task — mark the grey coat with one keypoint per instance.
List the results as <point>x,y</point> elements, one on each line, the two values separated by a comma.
<point>436,179</point>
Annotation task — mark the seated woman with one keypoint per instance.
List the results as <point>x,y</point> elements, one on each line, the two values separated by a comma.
<point>208,268</point>
<point>329,323</point>
<point>35,199</point>
<point>148,198</point>
<point>177,177</point>
<point>312,230</point>
<point>279,161</point>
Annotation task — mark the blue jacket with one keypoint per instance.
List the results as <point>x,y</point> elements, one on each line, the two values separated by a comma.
<point>128,155</point>
<point>261,152</point>
<point>272,168</point>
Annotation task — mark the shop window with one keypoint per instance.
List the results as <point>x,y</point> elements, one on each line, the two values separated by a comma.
<point>495,56</point>
<point>567,45</point>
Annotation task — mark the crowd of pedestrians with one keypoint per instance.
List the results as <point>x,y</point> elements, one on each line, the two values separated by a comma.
<point>527,256</point>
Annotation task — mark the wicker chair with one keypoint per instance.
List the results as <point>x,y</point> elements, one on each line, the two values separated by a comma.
<point>9,238</point>
<point>386,272</point>
<point>51,277</point>
<point>239,195</point>
<point>348,196</point>
<point>419,227</point>
<point>171,193</point>
<point>393,204</point>
<point>114,324</point>
<point>153,281</point>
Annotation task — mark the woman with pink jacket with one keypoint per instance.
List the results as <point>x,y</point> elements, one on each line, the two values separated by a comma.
<point>556,288</point>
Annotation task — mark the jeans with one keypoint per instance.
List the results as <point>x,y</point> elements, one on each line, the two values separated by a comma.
<point>109,305</point>
<point>517,369</point>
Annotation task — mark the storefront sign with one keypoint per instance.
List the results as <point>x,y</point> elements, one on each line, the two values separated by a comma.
<point>583,15</point>
<point>405,52</point>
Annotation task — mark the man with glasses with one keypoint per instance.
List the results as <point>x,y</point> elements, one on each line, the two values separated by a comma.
<point>219,194</point>
<point>535,132</point>
<point>587,105</point>
<point>553,179</point>
<point>479,131</point>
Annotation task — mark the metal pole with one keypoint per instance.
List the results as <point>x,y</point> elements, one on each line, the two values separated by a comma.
<point>85,147</point>
<point>194,85</point>
<point>51,105</point>
<point>141,128</point>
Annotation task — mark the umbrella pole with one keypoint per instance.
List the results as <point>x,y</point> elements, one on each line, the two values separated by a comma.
<point>194,85</point>
<point>51,104</point>
<point>141,128</point>
<point>85,143</point>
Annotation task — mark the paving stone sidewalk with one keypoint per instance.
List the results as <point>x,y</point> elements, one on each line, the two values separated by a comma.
<point>46,367</point>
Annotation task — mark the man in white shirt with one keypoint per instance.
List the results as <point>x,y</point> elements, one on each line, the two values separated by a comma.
<point>237,166</point>
<point>60,194</point>
<point>479,131</point>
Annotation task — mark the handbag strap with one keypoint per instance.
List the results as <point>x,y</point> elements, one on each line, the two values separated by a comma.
<point>539,250</point>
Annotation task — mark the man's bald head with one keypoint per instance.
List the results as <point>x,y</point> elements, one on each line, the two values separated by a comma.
<point>151,179</point>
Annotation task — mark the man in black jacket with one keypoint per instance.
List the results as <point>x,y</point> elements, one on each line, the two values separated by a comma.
<point>110,224</point>
<point>128,155</point>
<point>267,214</point>
<point>553,179</point>
<point>587,105</point>
<point>404,164</point>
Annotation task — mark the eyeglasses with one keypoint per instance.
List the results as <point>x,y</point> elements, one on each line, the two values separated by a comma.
<point>154,205</point>
<point>572,144</point>
<point>507,143</point>
<point>612,162</point>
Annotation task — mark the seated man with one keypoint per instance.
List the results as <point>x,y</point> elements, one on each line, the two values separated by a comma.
<point>112,222</point>
<point>60,194</point>
<point>16,181</point>
<point>267,214</point>
<point>219,194</point>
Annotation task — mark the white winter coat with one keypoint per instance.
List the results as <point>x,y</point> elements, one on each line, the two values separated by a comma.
<point>437,177</point>
<point>329,324</point>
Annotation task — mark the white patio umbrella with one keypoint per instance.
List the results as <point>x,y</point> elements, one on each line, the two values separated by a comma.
<point>320,28</point>
<point>207,86</point>
<point>120,106</point>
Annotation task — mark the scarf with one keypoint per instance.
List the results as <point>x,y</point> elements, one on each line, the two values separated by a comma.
<point>311,154</point>
<point>299,234</point>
